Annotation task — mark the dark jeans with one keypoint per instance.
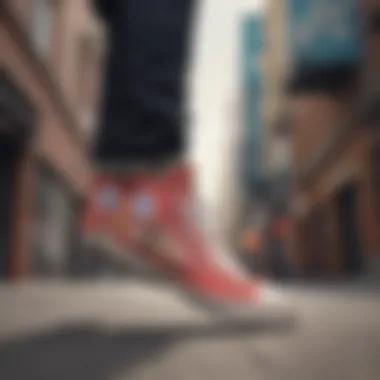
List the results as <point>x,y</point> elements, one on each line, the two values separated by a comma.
<point>143,115</point>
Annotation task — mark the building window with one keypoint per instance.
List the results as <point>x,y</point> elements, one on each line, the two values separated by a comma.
<point>42,24</point>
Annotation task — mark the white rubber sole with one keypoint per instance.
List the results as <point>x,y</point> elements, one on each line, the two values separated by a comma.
<point>272,309</point>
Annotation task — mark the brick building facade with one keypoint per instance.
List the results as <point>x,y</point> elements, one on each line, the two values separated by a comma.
<point>50,56</point>
<point>335,133</point>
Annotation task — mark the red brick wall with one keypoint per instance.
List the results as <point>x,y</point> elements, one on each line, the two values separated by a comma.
<point>23,215</point>
<point>23,10</point>
<point>57,140</point>
<point>351,162</point>
<point>372,45</point>
<point>315,119</point>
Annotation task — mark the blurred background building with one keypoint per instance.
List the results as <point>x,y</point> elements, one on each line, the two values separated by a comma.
<point>252,45</point>
<point>252,170</point>
<point>333,97</point>
<point>277,154</point>
<point>51,53</point>
<point>266,149</point>
<point>292,169</point>
<point>315,135</point>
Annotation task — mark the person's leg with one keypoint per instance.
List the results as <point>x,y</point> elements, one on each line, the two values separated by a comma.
<point>142,120</point>
<point>143,113</point>
<point>146,213</point>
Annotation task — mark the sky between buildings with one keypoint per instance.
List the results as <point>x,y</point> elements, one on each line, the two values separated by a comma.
<point>214,90</point>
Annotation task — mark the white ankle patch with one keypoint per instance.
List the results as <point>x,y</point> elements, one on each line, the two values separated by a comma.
<point>143,206</point>
<point>108,198</point>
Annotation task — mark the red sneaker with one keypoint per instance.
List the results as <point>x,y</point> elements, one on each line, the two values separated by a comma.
<point>152,207</point>
<point>102,216</point>
<point>105,221</point>
<point>147,222</point>
<point>163,232</point>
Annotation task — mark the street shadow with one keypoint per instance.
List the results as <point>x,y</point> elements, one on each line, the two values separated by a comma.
<point>93,353</point>
<point>78,353</point>
<point>363,287</point>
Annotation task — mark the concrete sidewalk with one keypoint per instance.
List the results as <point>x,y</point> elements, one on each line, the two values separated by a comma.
<point>142,331</point>
<point>37,306</point>
<point>110,305</point>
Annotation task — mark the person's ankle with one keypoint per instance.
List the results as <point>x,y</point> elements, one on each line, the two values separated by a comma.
<point>167,165</point>
<point>156,168</point>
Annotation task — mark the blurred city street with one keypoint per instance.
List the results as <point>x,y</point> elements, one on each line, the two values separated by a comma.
<point>206,141</point>
<point>136,330</point>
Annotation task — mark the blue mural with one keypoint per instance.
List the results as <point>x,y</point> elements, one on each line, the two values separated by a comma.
<point>324,31</point>
<point>252,46</point>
